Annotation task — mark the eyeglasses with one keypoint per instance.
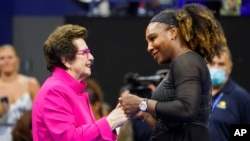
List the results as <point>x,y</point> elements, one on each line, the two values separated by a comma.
<point>84,52</point>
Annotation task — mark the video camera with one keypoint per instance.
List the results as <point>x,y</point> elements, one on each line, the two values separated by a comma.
<point>138,85</point>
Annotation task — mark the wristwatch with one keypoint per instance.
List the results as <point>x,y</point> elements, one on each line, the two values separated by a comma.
<point>144,105</point>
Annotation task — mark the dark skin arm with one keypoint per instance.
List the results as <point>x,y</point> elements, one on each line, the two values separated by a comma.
<point>187,91</point>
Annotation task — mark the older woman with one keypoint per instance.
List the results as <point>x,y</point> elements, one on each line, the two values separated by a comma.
<point>17,91</point>
<point>62,110</point>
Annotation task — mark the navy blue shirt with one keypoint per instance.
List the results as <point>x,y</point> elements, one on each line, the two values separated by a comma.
<point>231,106</point>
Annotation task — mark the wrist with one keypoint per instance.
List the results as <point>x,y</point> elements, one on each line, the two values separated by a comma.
<point>145,117</point>
<point>143,105</point>
<point>110,122</point>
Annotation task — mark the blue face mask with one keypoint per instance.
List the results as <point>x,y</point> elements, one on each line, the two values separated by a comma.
<point>218,76</point>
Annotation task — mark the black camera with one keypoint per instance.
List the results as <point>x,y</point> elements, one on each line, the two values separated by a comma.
<point>138,85</point>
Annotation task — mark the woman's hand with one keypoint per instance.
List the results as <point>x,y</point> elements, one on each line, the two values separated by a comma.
<point>4,106</point>
<point>117,117</point>
<point>130,103</point>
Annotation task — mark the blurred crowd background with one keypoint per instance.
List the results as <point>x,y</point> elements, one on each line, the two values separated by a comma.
<point>9,9</point>
<point>106,8</point>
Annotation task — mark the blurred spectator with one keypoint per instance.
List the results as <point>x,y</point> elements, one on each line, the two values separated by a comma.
<point>230,8</point>
<point>17,91</point>
<point>155,6</point>
<point>95,96</point>
<point>99,107</point>
<point>139,7</point>
<point>96,8</point>
<point>101,9</point>
<point>124,7</point>
<point>106,108</point>
<point>106,8</point>
<point>23,129</point>
<point>230,103</point>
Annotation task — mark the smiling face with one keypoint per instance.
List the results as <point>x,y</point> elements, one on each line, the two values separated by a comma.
<point>80,67</point>
<point>160,44</point>
<point>9,61</point>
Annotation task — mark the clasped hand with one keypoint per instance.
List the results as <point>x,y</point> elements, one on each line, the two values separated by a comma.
<point>130,103</point>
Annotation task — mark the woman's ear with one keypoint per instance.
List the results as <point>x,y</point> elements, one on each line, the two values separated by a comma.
<point>173,33</point>
<point>65,62</point>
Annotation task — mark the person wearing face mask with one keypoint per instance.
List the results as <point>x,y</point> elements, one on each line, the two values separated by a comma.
<point>230,101</point>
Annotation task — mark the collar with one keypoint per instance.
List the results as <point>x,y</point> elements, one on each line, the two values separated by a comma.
<point>227,88</point>
<point>77,86</point>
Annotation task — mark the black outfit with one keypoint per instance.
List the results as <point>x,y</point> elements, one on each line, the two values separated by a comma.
<point>230,106</point>
<point>184,101</point>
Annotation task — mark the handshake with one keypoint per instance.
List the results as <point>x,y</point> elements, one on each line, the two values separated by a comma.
<point>129,106</point>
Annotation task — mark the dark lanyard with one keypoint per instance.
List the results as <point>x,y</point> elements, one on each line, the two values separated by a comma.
<point>218,98</point>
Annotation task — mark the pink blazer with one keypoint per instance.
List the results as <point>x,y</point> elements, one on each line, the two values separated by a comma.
<point>61,112</point>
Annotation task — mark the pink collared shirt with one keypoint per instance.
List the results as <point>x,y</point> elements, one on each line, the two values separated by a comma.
<point>61,112</point>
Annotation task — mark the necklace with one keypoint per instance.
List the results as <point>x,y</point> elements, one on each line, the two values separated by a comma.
<point>184,50</point>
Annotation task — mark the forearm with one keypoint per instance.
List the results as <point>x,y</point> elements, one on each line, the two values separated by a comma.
<point>149,119</point>
<point>151,106</point>
<point>148,116</point>
<point>176,110</point>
